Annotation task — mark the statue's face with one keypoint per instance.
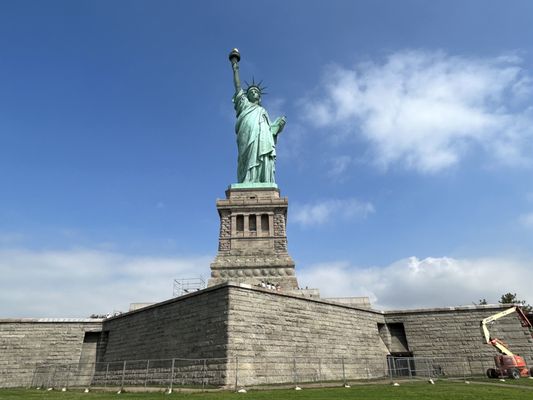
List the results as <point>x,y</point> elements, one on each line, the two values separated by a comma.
<point>253,95</point>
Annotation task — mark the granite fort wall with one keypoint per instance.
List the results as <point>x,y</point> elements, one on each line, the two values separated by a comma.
<point>191,326</point>
<point>261,337</point>
<point>26,343</point>
<point>272,336</point>
<point>282,338</point>
<point>285,338</point>
<point>185,338</point>
<point>455,332</point>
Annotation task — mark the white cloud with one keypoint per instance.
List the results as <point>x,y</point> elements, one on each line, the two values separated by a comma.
<point>79,283</point>
<point>323,211</point>
<point>339,164</point>
<point>424,110</point>
<point>432,282</point>
<point>526,220</point>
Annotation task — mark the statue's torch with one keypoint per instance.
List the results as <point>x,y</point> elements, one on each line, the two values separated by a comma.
<point>234,56</point>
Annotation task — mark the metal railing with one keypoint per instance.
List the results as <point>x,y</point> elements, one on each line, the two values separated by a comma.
<point>425,368</point>
<point>194,373</point>
<point>258,371</point>
<point>233,373</point>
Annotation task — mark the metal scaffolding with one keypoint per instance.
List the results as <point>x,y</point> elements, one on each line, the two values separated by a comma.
<point>187,285</point>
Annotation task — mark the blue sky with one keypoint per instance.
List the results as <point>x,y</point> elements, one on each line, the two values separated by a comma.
<point>407,157</point>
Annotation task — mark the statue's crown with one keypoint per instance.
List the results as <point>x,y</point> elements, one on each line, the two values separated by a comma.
<point>257,86</point>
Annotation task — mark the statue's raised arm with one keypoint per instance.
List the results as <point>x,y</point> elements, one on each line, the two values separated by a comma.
<point>256,133</point>
<point>234,58</point>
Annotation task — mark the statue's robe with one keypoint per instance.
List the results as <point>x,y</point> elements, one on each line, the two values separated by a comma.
<point>255,141</point>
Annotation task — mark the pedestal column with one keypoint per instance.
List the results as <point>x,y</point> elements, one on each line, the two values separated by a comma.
<point>253,253</point>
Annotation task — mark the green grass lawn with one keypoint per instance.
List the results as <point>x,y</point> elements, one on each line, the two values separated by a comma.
<point>410,390</point>
<point>520,382</point>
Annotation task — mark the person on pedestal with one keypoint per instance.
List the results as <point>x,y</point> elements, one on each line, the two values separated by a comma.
<point>256,134</point>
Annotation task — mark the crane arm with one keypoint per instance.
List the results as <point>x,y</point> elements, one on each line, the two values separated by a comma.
<point>501,346</point>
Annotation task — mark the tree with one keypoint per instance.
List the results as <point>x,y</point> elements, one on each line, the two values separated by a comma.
<point>482,302</point>
<point>511,298</point>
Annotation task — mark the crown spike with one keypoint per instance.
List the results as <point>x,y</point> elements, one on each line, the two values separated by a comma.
<point>256,85</point>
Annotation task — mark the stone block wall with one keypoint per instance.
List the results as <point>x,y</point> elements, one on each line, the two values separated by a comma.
<point>455,332</point>
<point>191,326</point>
<point>285,338</point>
<point>25,343</point>
<point>261,336</point>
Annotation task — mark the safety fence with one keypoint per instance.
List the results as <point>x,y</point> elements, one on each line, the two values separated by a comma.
<point>229,373</point>
<point>258,371</point>
<point>196,373</point>
<point>422,367</point>
<point>452,368</point>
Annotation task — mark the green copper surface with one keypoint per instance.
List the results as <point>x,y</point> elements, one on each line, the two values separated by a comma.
<point>256,133</point>
<point>254,185</point>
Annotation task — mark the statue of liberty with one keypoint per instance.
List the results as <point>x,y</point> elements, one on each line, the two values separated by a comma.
<point>256,134</point>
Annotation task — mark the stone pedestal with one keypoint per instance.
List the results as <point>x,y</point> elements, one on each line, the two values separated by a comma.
<point>253,240</point>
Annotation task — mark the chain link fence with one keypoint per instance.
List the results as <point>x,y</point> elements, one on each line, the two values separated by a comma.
<point>426,368</point>
<point>258,371</point>
<point>233,373</point>
<point>164,373</point>
<point>442,367</point>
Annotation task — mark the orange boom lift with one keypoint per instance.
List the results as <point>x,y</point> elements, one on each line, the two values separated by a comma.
<point>508,365</point>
